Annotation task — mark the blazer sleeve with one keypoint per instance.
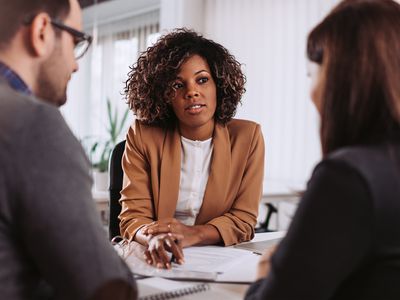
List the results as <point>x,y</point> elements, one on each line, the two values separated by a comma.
<point>329,241</point>
<point>237,225</point>
<point>136,198</point>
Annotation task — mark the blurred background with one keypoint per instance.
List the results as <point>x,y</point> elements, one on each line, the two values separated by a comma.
<point>267,36</point>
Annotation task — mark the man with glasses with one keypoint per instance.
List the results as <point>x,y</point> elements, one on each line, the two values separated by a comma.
<point>52,244</point>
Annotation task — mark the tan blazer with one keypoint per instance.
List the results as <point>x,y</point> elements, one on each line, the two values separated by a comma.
<point>152,162</point>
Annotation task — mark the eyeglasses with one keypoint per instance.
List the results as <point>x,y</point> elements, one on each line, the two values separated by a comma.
<point>82,40</point>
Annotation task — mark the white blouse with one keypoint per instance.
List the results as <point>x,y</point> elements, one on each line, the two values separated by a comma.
<point>195,168</point>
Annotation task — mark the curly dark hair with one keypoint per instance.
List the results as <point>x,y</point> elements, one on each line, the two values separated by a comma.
<point>149,90</point>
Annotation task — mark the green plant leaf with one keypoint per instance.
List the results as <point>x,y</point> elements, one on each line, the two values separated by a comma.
<point>110,118</point>
<point>121,125</point>
<point>94,147</point>
<point>104,147</point>
<point>112,121</point>
<point>115,121</point>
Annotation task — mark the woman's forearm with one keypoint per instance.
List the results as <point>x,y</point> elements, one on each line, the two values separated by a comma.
<point>141,238</point>
<point>202,235</point>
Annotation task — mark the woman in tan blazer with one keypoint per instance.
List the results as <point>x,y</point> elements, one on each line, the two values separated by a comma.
<point>193,175</point>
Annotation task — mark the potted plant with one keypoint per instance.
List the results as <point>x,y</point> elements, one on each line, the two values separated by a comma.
<point>100,151</point>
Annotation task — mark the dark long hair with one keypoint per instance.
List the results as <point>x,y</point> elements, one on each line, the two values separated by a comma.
<point>149,89</point>
<point>358,48</point>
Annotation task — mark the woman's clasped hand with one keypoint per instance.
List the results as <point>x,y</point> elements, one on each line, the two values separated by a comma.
<point>166,239</point>
<point>163,249</point>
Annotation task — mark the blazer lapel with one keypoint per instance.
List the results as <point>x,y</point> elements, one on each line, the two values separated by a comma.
<point>169,175</point>
<point>218,180</point>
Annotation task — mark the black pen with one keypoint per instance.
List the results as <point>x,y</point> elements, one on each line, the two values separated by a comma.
<point>172,258</point>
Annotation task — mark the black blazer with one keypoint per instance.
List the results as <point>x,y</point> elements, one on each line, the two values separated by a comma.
<point>344,240</point>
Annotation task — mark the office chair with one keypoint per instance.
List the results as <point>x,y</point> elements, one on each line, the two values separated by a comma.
<point>264,226</point>
<point>116,176</point>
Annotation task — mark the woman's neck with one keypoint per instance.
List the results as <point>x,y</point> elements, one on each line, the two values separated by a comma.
<point>200,133</point>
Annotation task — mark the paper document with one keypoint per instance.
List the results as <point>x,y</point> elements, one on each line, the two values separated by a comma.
<point>258,247</point>
<point>140,267</point>
<point>206,263</point>
<point>201,263</point>
<point>211,259</point>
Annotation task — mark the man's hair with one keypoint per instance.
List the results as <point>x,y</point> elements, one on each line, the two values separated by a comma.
<point>358,46</point>
<point>14,13</point>
<point>149,87</point>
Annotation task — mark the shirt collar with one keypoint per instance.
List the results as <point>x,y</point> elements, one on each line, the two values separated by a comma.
<point>14,80</point>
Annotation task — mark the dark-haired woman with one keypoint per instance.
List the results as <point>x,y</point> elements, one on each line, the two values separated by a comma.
<point>344,241</point>
<point>193,175</point>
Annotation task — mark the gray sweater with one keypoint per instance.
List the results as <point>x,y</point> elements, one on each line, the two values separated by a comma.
<point>50,233</point>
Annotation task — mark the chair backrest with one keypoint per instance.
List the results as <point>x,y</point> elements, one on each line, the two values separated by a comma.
<point>116,176</point>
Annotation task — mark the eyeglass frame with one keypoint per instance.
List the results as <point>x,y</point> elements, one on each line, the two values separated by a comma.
<point>79,36</point>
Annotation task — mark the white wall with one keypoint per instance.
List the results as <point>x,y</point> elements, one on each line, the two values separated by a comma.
<point>182,13</point>
<point>269,38</point>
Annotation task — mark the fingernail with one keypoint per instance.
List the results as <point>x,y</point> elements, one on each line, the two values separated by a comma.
<point>181,261</point>
<point>159,265</point>
<point>149,261</point>
<point>168,266</point>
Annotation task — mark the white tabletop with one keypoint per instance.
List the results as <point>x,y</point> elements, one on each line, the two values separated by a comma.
<point>233,284</point>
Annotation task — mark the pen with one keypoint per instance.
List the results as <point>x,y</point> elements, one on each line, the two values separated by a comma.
<point>173,258</point>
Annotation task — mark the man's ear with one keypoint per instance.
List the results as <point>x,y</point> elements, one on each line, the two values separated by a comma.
<point>41,35</point>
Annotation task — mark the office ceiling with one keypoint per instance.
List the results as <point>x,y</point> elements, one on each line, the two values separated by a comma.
<point>86,3</point>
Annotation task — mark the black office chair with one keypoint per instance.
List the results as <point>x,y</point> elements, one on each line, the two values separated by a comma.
<point>116,176</point>
<point>264,226</point>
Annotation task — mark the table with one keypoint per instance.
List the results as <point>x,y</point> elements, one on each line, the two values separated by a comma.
<point>234,290</point>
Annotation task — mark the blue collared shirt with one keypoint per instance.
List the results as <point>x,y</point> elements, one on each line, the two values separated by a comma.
<point>13,79</point>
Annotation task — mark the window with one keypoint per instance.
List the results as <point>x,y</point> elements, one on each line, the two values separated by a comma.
<point>102,76</point>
